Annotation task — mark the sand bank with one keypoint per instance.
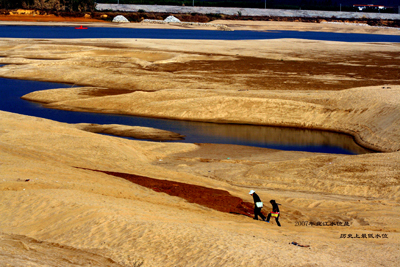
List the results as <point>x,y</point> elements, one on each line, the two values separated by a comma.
<point>136,132</point>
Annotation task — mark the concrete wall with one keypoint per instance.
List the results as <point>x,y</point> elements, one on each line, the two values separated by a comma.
<point>246,11</point>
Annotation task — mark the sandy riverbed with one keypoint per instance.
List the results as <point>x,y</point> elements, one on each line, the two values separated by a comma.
<point>65,216</point>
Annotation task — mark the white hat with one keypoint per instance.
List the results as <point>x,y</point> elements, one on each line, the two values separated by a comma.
<point>251,192</point>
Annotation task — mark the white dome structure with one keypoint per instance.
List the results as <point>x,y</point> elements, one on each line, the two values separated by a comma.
<point>171,19</point>
<point>120,19</point>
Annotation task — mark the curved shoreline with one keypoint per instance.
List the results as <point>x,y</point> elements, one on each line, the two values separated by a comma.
<point>220,108</point>
<point>256,140</point>
<point>357,139</point>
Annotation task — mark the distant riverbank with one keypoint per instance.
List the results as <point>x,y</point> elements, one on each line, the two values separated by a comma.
<point>247,11</point>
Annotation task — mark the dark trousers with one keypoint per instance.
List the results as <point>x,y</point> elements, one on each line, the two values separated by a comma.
<point>257,211</point>
<point>276,219</point>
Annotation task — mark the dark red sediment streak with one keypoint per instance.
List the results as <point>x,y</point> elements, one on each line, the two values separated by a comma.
<point>216,199</point>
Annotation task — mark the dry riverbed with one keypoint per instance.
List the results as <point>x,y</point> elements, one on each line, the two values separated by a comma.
<point>55,202</point>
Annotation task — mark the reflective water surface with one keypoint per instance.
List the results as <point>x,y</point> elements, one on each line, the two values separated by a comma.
<point>59,32</point>
<point>196,132</point>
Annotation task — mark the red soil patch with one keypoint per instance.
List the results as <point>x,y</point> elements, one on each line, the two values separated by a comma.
<point>212,198</point>
<point>46,18</point>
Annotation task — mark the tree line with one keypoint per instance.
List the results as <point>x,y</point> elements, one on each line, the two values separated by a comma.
<point>58,5</point>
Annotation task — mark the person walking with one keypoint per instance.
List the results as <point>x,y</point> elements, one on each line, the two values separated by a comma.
<point>274,213</point>
<point>257,206</point>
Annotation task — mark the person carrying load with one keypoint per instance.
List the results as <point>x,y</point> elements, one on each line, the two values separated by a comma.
<point>274,213</point>
<point>257,206</point>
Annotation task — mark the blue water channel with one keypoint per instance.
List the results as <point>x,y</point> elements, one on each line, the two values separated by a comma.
<point>196,132</point>
<point>63,32</point>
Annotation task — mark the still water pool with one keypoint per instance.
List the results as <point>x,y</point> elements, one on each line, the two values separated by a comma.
<point>196,132</point>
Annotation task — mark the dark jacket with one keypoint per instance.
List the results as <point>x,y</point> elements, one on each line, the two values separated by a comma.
<point>256,198</point>
<point>275,207</point>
